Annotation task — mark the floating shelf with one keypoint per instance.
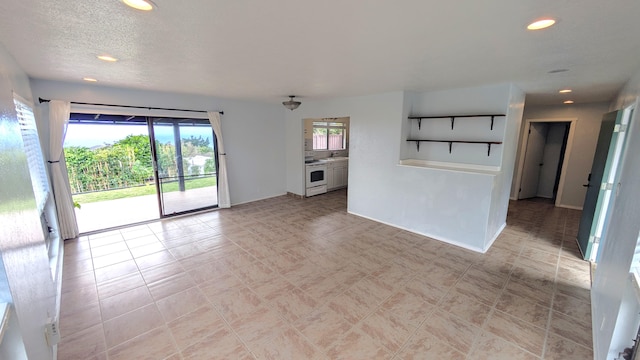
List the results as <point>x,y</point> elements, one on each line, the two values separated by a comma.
<point>453,118</point>
<point>450,142</point>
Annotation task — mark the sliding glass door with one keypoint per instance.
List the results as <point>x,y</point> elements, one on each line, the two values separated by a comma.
<point>185,159</point>
<point>127,169</point>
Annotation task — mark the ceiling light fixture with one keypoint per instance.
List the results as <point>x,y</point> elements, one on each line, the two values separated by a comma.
<point>107,58</point>
<point>565,91</point>
<point>541,24</point>
<point>144,5</point>
<point>89,79</point>
<point>291,104</point>
<point>568,101</point>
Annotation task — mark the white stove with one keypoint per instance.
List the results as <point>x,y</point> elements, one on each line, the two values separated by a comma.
<point>315,178</point>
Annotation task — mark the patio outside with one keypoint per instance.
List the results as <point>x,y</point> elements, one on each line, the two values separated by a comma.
<point>118,212</point>
<point>112,177</point>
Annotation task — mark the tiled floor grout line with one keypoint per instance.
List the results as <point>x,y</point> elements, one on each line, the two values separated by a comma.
<point>555,291</point>
<point>95,279</point>
<point>474,345</point>
<point>330,244</point>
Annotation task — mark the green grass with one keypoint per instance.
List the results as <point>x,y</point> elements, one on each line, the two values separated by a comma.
<point>141,190</point>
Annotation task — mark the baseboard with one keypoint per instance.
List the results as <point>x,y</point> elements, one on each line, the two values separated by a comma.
<point>58,284</point>
<point>448,241</point>
<point>294,195</point>
<point>260,199</point>
<point>495,237</point>
<point>570,207</point>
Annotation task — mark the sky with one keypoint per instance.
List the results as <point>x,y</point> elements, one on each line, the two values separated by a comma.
<point>89,135</point>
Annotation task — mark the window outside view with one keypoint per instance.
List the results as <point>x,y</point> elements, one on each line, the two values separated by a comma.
<point>110,169</point>
<point>329,135</point>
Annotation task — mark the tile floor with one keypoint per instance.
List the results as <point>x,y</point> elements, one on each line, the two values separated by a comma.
<point>286,278</point>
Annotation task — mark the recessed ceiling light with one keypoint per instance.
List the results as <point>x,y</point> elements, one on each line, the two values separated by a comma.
<point>565,91</point>
<point>555,71</point>
<point>89,79</point>
<point>568,101</point>
<point>144,5</point>
<point>540,24</point>
<point>108,58</point>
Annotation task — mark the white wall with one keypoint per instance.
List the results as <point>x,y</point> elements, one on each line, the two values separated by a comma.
<point>611,277</point>
<point>254,133</point>
<point>24,255</point>
<point>502,185</point>
<point>628,94</point>
<point>452,206</point>
<point>584,145</point>
<point>471,101</point>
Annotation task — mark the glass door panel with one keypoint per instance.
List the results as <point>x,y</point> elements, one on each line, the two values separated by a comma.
<point>110,170</point>
<point>185,164</point>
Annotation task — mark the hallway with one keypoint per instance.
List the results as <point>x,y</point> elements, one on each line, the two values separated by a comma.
<point>285,278</point>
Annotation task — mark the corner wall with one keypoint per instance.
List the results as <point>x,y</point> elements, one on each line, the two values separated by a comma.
<point>452,206</point>
<point>500,194</point>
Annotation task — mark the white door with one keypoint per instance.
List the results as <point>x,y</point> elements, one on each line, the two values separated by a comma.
<point>532,160</point>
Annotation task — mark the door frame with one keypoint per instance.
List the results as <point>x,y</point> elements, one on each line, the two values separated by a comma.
<point>149,114</point>
<point>531,153</point>
<point>567,153</point>
<point>175,124</point>
<point>607,197</point>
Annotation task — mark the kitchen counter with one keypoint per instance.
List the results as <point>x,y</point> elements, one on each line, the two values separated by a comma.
<point>333,159</point>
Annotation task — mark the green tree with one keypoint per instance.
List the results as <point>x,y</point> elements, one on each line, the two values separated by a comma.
<point>210,166</point>
<point>80,163</point>
<point>167,165</point>
<point>141,147</point>
<point>197,141</point>
<point>125,163</point>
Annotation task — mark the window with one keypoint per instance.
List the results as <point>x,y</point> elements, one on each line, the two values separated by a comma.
<point>32,148</point>
<point>329,135</point>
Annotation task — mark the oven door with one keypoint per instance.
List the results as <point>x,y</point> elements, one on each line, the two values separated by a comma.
<point>316,175</point>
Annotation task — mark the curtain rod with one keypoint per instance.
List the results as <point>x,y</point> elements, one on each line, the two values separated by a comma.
<point>41,100</point>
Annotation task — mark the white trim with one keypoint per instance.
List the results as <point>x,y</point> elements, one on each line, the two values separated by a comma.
<point>495,237</point>
<point>260,199</point>
<point>23,100</point>
<point>5,312</point>
<point>467,168</point>
<point>452,242</point>
<point>567,154</point>
<point>58,285</point>
<point>569,207</point>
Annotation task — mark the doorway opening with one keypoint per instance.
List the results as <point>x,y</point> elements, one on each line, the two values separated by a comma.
<point>546,148</point>
<point>126,169</point>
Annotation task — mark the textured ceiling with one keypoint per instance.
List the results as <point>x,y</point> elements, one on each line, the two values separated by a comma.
<point>265,50</point>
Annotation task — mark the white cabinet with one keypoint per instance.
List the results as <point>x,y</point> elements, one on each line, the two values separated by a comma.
<point>337,174</point>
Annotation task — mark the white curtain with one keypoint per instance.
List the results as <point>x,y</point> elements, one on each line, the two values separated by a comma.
<point>223,184</point>
<point>58,120</point>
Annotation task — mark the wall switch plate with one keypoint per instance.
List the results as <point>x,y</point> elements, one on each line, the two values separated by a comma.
<point>51,332</point>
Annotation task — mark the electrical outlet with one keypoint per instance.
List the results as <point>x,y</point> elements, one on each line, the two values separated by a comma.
<point>51,332</point>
